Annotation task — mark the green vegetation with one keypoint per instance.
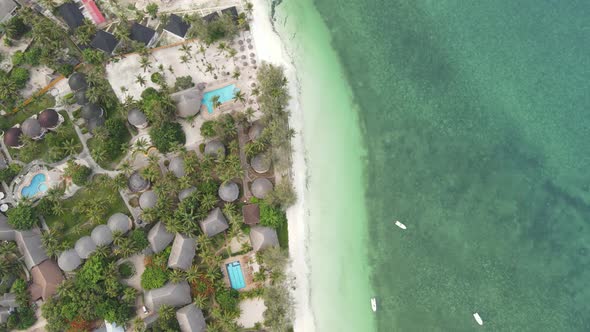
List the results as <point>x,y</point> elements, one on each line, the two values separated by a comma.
<point>95,293</point>
<point>15,27</point>
<point>37,105</point>
<point>9,264</point>
<point>24,315</point>
<point>228,299</point>
<point>222,28</point>
<point>277,298</point>
<point>23,216</point>
<point>94,57</point>
<point>155,274</point>
<point>106,145</point>
<point>126,270</point>
<point>152,9</point>
<point>78,173</point>
<point>167,135</point>
<point>183,83</point>
<point>270,215</point>
<point>10,172</point>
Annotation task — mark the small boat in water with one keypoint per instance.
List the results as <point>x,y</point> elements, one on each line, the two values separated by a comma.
<point>374,304</point>
<point>400,225</point>
<point>478,318</point>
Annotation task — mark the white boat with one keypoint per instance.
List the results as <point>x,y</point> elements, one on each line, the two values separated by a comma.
<point>400,225</point>
<point>373,304</point>
<point>478,318</point>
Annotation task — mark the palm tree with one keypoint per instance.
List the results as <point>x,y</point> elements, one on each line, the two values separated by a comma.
<point>140,145</point>
<point>186,48</point>
<point>222,46</point>
<point>140,80</point>
<point>166,312</point>
<point>200,301</point>
<point>51,243</point>
<point>215,102</point>
<point>185,59</point>
<point>249,113</point>
<point>144,63</point>
<point>236,74</point>
<point>70,146</point>
<point>138,324</point>
<point>176,276</point>
<point>239,96</point>
<point>129,294</point>
<point>118,236</point>
<point>126,167</point>
<point>249,7</point>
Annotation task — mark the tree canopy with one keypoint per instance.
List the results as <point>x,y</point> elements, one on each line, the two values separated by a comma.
<point>22,216</point>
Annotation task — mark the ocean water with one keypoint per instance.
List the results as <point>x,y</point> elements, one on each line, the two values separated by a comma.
<point>475,119</point>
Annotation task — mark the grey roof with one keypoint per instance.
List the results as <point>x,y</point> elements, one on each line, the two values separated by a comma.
<point>6,231</point>
<point>191,319</point>
<point>137,183</point>
<point>214,224</point>
<point>232,12</point>
<point>4,314</point>
<point>12,137</point>
<point>31,128</point>
<point>77,81</point>
<point>159,237</point>
<point>261,187</point>
<point>71,14</point>
<point>80,97</point>
<point>182,253</point>
<point>6,7</point>
<point>102,235</point>
<point>48,118</point>
<point>263,237</point>
<point>141,33</point>
<point>260,163</point>
<point>148,200</point>
<point>214,148</point>
<point>211,17</point>
<point>136,117</point>
<point>69,260</point>
<point>188,102</point>
<point>176,25</point>
<point>255,130</point>
<point>104,41</point>
<point>229,191</point>
<point>184,193</point>
<point>119,222</point>
<point>93,123</point>
<point>174,295</point>
<point>176,166</point>
<point>85,246</point>
<point>90,111</point>
<point>29,245</point>
<point>8,300</point>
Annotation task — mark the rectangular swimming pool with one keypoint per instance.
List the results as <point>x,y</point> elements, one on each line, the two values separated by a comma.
<point>236,277</point>
<point>225,93</point>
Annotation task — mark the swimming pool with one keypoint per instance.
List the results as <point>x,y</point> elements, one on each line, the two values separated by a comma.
<point>236,278</point>
<point>226,93</point>
<point>37,185</point>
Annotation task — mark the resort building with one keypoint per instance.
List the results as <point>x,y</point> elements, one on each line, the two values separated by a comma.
<point>69,260</point>
<point>105,42</point>
<point>183,194</point>
<point>142,34</point>
<point>84,247</point>
<point>263,237</point>
<point>93,12</point>
<point>32,129</point>
<point>229,191</point>
<point>261,187</point>
<point>77,81</point>
<point>176,26</point>
<point>174,295</point>
<point>231,12</point>
<point>102,235</point>
<point>176,166</point>
<point>211,17</point>
<point>260,163</point>
<point>214,224</point>
<point>12,137</point>
<point>137,118</point>
<point>46,277</point>
<point>7,304</point>
<point>251,213</point>
<point>29,245</point>
<point>80,97</point>
<point>7,10</point>
<point>93,123</point>
<point>215,149</point>
<point>137,183</point>
<point>71,14</point>
<point>159,238</point>
<point>148,200</point>
<point>255,131</point>
<point>6,231</point>
<point>188,102</point>
<point>119,222</point>
<point>191,319</point>
<point>49,119</point>
<point>182,253</point>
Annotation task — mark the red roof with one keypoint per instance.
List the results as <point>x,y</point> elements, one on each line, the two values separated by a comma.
<point>94,11</point>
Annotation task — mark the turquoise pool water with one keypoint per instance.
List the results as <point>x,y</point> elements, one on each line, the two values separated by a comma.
<point>36,186</point>
<point>236,278</point>
<point>226,93</point>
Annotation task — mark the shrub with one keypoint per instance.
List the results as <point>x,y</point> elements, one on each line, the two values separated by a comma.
<point>15,27</point>
<point>78,173</point>
<point>9,172</point>
<point>20,76</point>
<point>94,57</point>
<point>22,216</point>
<point>227,298</point>
<point>126,270</point>
<point>139,239</point>
<point>271,216</point>
<point>183,83</point>
<point>18,58</point>
<point>157,78</point>
<point>208,129</point>
<point>65,69</point>
<point>153,277</point>
<point>166,135</point>
<point>33,56</point>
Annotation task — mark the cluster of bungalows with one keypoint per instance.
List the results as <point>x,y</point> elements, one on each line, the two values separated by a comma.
<point>34,128</point>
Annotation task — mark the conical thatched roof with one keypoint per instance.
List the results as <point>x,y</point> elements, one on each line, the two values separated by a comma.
<point>48,118</point>
<point>137,118</point>
<point>260,163</point>
<point>186,193</point>
<point>84,247</point>
<point>188,102</point>
<point>69,260</point>
<point>137,183</point>
<point>215,148</point>
<point>119,222</point>
<point>80,97</point>
<point>102,235</point>
<point>148,200</point>
<point>90,111</point>
<point>263,237</point>
<point>12,137</point>
<point>77,81</point>
<point>229,191</point>
<point>255,131</point>
<point>215,223</point>
<point>261,187</point>
<point>31,128</point>
<point>176,166</point>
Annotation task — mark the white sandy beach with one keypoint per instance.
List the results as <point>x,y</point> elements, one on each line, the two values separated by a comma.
<point>271,49</point>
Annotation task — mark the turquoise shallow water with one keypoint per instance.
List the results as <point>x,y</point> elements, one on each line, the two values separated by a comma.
<point>475,116</point>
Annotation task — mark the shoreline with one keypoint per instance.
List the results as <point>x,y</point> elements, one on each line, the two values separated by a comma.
<point>274,51</point>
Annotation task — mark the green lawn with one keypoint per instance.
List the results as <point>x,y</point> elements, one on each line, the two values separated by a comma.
<point>70,221</point>
<point>283,234</point>
<point>36,106</point>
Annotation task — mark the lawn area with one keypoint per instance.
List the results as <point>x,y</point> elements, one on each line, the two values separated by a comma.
<point>74,225</point>
<point>51,148</point>
<point>283,235</point>
<point>36,106</point>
